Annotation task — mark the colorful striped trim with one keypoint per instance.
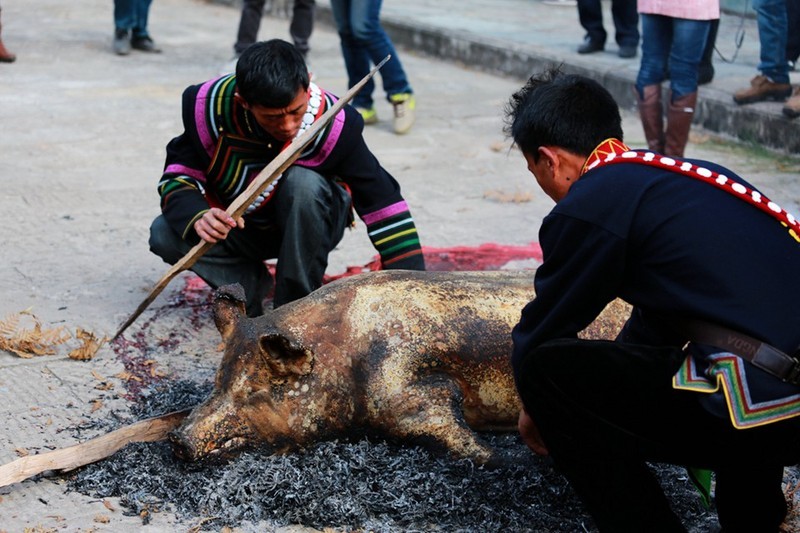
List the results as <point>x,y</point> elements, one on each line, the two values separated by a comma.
<point>389,211</point>
<point>183,170</point>
<point>204,122</point>
<point>726,372</point>
<point>395,237</point>
<point>169,185</point>
<point>406,255</point>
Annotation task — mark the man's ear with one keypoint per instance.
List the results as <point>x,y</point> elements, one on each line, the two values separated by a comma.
<point>550,158</point>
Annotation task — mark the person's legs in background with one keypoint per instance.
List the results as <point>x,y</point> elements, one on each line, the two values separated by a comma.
<point>688,42</point>
<point>656,43</point>
<point>792,107</point>
<point>590,15</point>
<point>130,27</point>
<point>364,42</point>
<point>302,25</point>
<point>773,82</point>
<point>626,24</point>
<point>249,23</point>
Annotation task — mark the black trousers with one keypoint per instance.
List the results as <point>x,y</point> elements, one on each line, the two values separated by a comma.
<point>606,409</point>
<point>310,213</point>
<point>624,14</point>
<point>300,28</point>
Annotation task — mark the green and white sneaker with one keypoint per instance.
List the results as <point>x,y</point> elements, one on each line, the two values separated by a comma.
<point>370,115</point>
<point>404,105</point>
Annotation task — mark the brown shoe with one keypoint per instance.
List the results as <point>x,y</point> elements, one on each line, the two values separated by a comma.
<point>5,55</point>
<point>791,108</point>
<point>762,88</point>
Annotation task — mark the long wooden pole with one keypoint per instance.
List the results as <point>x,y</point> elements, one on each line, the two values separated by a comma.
<point>264,178</point>
<point>150,430</point>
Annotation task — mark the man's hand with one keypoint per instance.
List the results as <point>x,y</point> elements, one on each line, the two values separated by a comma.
<point>215,224</point>
<point>530,434</point>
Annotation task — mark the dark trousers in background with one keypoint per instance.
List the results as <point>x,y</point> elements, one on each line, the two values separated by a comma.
<point>606,409</point>
<point>793,35</point>
<point>310,213</point>
<point>300,28</point>
<point>626,21</point>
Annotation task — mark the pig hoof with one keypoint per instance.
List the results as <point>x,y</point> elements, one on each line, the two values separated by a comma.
<point>183,449</point>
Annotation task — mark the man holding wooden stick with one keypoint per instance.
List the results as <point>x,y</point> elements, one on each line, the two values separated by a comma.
<point>233,127</point>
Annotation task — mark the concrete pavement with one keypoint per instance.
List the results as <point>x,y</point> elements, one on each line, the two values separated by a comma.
<point>82,146</point>
<point>517,37</point>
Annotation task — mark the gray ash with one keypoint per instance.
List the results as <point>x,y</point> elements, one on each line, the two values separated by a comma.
<point>362,485</point>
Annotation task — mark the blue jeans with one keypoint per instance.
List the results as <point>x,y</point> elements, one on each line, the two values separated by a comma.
<point>677,42</point>
<point>132,15</point>
<point>309,214</point>
<point>772,35</point>
<point>364,42</point>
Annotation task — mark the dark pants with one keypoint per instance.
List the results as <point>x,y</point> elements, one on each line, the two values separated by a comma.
<point>793,36</point>
<point>300,28</point>
<point>310,213</point>
<point>606,409</point>
<point>626,21</point>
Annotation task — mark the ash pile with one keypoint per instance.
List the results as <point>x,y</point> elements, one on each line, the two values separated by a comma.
<point>368,485</point>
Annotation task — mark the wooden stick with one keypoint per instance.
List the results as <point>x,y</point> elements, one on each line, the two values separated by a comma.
<point>150,430</point>
<point>264,178</point>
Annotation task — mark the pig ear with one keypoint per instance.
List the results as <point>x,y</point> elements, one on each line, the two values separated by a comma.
<point>284,357</point>
<point>229,308</point>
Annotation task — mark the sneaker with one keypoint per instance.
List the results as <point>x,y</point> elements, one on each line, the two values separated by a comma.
<point>762,88</point>
<point>122,42</point>
<point>791,108</point>
<point>145,44</point>
<point>370,115</point>
<point>404,105</point>
<point>5,55</point>
<point>626,52</point>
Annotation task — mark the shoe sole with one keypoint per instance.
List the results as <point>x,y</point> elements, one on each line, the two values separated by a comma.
<point>762,98</point>
<point>790,113</point>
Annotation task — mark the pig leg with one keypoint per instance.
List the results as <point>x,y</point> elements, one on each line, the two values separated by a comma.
<point>429,411</point>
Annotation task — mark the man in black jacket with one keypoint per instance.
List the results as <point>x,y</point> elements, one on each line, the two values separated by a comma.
<point>233,127</point>
<point>693,248</point>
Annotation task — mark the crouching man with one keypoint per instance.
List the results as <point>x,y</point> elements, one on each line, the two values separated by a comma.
<point>700,375</point>
<point>233,127</point>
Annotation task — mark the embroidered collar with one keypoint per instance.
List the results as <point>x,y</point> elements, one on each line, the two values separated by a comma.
<point>611,151</point>
<point>603,151</point>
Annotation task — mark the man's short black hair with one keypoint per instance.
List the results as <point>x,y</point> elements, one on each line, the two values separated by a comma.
<point>556,109</point>
<point>270,74</point>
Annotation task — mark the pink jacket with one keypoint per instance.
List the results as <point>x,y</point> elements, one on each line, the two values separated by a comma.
<point>683,9</point>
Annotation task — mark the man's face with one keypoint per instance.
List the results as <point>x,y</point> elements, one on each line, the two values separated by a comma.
<point>283,124</point>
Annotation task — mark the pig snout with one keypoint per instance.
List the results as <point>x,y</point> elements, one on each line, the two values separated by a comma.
<point>205,435</point>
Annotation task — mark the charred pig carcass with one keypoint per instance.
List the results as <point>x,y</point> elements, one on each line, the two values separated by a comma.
<point>420,357</point>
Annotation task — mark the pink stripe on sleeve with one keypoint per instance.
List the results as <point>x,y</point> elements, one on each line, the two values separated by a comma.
<point>186,171</point>
<point>386,212</point>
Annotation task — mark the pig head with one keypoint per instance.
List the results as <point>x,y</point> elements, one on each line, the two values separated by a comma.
<point>420,357</point>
